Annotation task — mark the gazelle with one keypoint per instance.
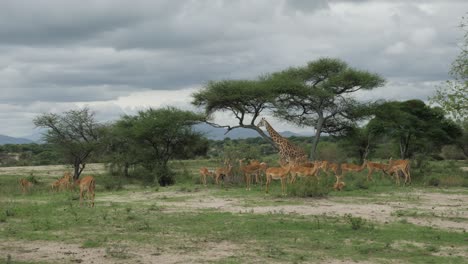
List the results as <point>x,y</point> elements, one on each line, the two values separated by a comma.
<point>339,184</point>
<point>223,171</point>
<point>248,170</point>
<point>25,185</point>
<point>304,171</point>
<point>87,184</point>
<point>204,172</point>
<point>347,167</point>
<point>278,173</point>
<point>64,182</point>
<point>396,166</point>
<point>326,166</point>
<point>374,167</point>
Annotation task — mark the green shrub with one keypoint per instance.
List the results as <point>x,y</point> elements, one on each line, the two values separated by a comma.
<point>111,183</point>
<point>356,222</point>
<point>308,187</point>
<point>434,182</point>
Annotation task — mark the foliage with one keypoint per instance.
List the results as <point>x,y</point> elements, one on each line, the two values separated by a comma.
<point>153,137</point>
<point>308,188</point>
<point>358,142</point>
<point>416,127</point>
<point>453,96</point>
<point>245,99</point>
<point>75,134</point>
<point>319,95</point>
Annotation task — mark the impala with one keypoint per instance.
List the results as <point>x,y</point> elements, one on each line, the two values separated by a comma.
<point>25,185</point>
<point>374,167</point>
<point>223,171</point>
<point>397,166</point>
<point>204,172</point>
<point>248,170</point>
<point>63,183</point>
<point>87,184</point>
<point>339,184</point>
<point>278,173</point>
<point>304,171</point>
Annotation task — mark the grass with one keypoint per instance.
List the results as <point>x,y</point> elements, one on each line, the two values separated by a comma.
<point>120,226</point>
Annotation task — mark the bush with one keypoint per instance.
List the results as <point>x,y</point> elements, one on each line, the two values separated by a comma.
<point>434,182</point>
<point>143,174</point>
<point>451,152</point>
<point>308,188</point>
<point>164,175</point>
<point>111,183</point>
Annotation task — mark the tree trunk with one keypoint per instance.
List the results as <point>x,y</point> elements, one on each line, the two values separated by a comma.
<point>77,168</point>
<point>318,131</point>
<point>126,166</point>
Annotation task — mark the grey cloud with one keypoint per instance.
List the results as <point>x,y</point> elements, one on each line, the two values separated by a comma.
<point>65,52</point>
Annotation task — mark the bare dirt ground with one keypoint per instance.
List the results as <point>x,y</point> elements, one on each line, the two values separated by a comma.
<point>440,210</point>
<point>444,210</point>
<point>50,170</point>
<point>54,252</point>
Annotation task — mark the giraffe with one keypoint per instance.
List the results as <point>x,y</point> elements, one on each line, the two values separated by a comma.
<point>287,150</point>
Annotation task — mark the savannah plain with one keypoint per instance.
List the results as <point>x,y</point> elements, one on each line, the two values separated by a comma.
<point>375,222</point>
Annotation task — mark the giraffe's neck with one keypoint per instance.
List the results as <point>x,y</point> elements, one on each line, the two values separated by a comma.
<point>275,136</point>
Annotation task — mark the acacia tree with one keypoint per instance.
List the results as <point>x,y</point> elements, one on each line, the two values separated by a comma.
<point>160,135</point>
<point>319,95</point>
<point>244,99</point>
<point>75,134</point>
<point>416,127</point>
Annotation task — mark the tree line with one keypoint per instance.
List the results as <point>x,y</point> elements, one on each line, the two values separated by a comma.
<point>319,95</point>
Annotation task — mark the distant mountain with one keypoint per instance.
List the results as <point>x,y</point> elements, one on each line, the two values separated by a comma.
<point>216,133</point>
<point>36,136</point>
<point>12,140</point>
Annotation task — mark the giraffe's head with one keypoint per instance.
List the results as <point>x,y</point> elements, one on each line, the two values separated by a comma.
<point>262,122</point>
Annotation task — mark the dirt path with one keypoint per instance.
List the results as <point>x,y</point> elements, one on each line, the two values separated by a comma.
<point>441,210</point>
<point>53,252</point>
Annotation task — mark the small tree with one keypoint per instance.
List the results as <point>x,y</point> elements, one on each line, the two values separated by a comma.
<point>319,95</point>
<point>358,141</point>
<point>416,127</point>
<point>160,135</point>
<point>75,134</point>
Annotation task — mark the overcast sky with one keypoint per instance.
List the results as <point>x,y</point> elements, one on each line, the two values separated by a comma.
<point>121,56</point>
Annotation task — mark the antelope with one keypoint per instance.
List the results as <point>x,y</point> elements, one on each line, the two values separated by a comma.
<point>304,171</point>
<point>223,171</point>
<point>400,165</point>
<point>339,184</point>
<point>253,168</point>
<point>25,185</point>
<point>346,167</point>
<point>263,168</point>
<point>87,184</point>
<point>204,172</point>
<point>374,166</point>
<point>64,182</point>
<point>326,166</point>
<point>278,173</point>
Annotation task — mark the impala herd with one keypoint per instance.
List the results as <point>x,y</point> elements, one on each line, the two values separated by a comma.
<point>258,170</point>
<point>309,169</point>
<point>87,185</point>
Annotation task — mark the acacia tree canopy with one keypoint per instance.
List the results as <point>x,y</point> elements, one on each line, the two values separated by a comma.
<point>244,99</point>
<point>319,95</point>
<point>76,134</point>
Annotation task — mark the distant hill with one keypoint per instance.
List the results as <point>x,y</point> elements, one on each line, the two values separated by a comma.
<point>12,140</point>
<point>215,133</point>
